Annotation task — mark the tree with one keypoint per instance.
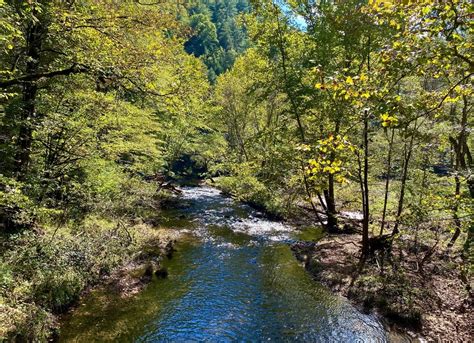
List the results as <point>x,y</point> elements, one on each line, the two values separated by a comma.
<point>217,36</point>
<point>60,40</point>
<point>82,84</point>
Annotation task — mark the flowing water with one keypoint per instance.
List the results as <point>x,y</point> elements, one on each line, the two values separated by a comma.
<point>233,279</point>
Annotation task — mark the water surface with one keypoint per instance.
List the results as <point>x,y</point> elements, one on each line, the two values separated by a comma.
<point>233,279</point>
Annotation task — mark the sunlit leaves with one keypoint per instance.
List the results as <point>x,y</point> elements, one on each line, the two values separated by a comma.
<point>388,120</point>
<point>138,95</point>
<point>329,157</point>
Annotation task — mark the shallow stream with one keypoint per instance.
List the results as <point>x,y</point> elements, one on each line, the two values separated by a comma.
<point>233,278</point>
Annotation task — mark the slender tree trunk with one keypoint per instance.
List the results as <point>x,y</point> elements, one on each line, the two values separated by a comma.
<point>420,199</point>
<point>457,221</point>
<point>365,179</point>
<point>408,149</point>
<point>365,193</point>
<point>387,180</point>
<point>310,198</point>
<point>331,205</point>
<point>460,163</point>
<point>330,196</point>
<point>321,202</point>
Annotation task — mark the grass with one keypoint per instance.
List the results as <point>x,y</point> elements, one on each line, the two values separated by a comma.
<point>43,273</point>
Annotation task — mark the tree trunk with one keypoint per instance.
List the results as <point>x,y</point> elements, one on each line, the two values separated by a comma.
<point>408,149</point>
<point>329,194</point>
<point>332,220</point>
<point>365,193</point>
<point>28,114</point>
<point>460,163</point>
<point>365,179</point>
<point>330,206</point>
<point>457,221</point>
<point>387,181</point>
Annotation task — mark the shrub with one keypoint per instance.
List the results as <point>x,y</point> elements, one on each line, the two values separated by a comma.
<point>250,190</point>
<point>42,275</point>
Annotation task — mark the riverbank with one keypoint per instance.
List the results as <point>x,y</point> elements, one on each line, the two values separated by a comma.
<point>132,277</point>
<point>431,303</point>
<point>45,273</point>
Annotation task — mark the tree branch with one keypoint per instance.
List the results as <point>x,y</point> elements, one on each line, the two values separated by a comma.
<point>74,69</point>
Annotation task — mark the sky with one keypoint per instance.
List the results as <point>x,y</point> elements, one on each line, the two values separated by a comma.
<point>297,20</point>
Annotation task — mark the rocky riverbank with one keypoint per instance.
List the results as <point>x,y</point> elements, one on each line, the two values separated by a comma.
<point>131,278</point>
<point>433,303</point>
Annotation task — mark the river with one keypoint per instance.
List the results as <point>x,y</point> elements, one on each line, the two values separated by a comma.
<point>233,278</point>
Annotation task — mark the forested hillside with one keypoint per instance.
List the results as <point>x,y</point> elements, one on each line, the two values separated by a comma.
<point>217,38</point>
<point>358,122</point>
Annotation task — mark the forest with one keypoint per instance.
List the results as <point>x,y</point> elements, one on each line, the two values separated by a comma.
<point>351,119</point>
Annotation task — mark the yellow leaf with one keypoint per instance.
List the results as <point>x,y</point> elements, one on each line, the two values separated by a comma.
<point>349,80</point>
<point>452,100</point>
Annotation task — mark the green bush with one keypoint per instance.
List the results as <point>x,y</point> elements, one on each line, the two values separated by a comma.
<point>250,190</point>
<point>42,275</point>
<point>16,208</point>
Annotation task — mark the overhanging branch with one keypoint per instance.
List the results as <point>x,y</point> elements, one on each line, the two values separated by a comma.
<point>74,69</point>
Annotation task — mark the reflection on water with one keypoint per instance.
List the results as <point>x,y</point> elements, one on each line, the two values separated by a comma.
<point>234,279</point>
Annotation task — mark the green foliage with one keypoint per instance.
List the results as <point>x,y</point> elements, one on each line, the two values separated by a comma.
<point>95,97</point>
<point>16,208</point>
<point>394,81</point>
<point>42,274</point>
<point>122,106</point>
<point>217,36</point>
<point>249,189</point>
